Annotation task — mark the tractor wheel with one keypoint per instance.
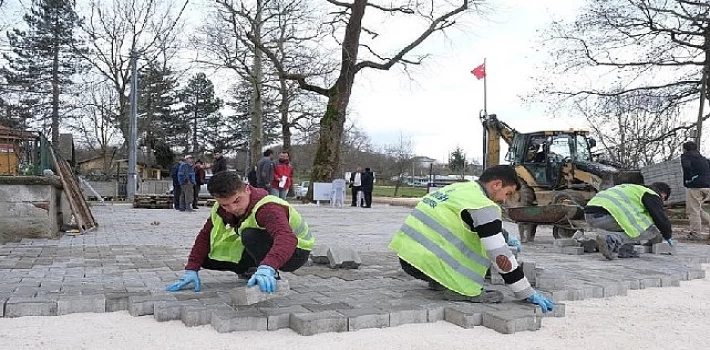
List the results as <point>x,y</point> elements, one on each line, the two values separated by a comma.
<point>571,198</point>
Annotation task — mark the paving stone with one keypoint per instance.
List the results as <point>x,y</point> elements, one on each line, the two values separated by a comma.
<point>278,318</point>
<point>496,278</point>
<point>199,315</point>
<point>544,282</point>
<point>696,274</point>
<point>326,307</point>
<point>164,311</point>
<point>663,248</point>
<point>529,271</point>
<point>319,255</point>
<point>319,322</point>
<point>119,301</point>
<point>643,249</point>
<point>343,258</point>
<point>634,283</point>
<point>21,306</point>
<point>78,304</point>
<point>2,306</point>
<point>557,311</point>
<point>565,242</point>
<point>650,283</point>
<point>367,317</point>
<point>252,295</point>
<point>141,305</point>
<point>400,315</point>
<point>613,289</point>
<point>243,319</point>
<point>573,250</point>
<point>465,316</point>
<point>509,322</point>
<point>435,312</point>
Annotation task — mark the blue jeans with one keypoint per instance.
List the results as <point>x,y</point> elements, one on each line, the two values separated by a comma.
<point>281,193</point>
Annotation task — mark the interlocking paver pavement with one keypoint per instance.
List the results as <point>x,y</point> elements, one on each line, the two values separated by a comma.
<point>126,263</point>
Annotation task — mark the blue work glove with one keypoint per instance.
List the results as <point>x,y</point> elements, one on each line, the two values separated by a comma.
<point>265,277</point>
<point>514,242</point>
<point>190,276</point>
<point>542,301</point>
<point>671,242</point>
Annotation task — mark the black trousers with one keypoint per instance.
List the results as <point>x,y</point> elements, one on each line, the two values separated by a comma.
<point>196,195</point>
<point>176,195</point>
<point>368,198</point>
<point>353,191</point>
<point>257,244</point>
<point>414,272</point>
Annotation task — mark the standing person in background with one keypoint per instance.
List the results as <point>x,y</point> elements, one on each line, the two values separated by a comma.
<point>356,186</point>
<point>265,170</point>
<point>251,176</point>
<point>176,183</point>
<point>283,176</point>
<point>220,163</point>
<point>368,182</point>
<point>199,181</point>
<point>696,179</point>
<point>186,177</point>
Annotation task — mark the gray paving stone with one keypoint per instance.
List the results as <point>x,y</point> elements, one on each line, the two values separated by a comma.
<point>529,271</point>
<point>368,317</point>
<point>663,248</point>
<point>565,242</point>
<point>649,283</point>
<point>319,322</point>
<point>164,311</point>
<point>573,250</point>
<point>278,318</point>
<point>200,315</point>
<point>252,295</point>
<point>230,320</point>
<point>643,249</point>
<point>465,316</point>
<point>20,306</point>
<point>142,305</point>
<point>340,257</point>
<point>496,278</point>
<point>511,321</point>
<point>2,306</point>
<point>400,315</point>
<point>78,304</point>
<point>319,255</point>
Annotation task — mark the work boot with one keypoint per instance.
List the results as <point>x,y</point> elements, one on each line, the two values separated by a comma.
<point>434,285</point>
<point>486,296</point>
<point>606,246</point>
<point>628,251</point>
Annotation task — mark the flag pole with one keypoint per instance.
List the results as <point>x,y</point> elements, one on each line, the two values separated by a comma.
<point>485,77</point>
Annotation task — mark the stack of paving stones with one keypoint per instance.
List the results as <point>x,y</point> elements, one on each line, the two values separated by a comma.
<point>79,274</point>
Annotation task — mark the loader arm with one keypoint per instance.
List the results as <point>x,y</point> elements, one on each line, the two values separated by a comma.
<point>493,131</point>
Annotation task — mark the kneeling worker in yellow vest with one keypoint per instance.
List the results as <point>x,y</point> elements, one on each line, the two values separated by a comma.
<point>248,232</point>
<point>630,214</point>
<point>454,234</point>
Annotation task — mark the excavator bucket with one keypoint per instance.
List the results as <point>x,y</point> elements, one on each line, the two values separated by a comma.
<point>543,214</point>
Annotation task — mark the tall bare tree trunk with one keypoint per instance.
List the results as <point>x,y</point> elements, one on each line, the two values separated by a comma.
<point>257,127</point>
<point>283,110</point>
<point>327,158</point>
<point>55,95</point>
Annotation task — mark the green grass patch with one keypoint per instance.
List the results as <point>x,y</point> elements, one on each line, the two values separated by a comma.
<point>404,192</point>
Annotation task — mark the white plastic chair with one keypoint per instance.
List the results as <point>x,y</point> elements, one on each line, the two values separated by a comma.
<point>337,195</point>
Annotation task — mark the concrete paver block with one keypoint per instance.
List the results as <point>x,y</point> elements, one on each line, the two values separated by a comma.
<point>663,248</point>
<point>496,278</point>
<point>164,311</point>
<point>613,289</point>
<point>21,306</point>
<point>252,295</point>
<point>78,304</point>
<point>278,318</point>
<point>343,258</point>
<point>643,249</point>
<point>243,319</point>
<point>400,315</point>
<point>200,315</point>
<point>557,311</point>
<point>509,322</point>
<point>650,283</point>
<point>465,316</point>
<point>367,317</point>
<point>319,254</point>
<point>529,271</point>
<point>2,306</point>
<point>573,250</point>
<point>142,305</point>
<point>119,301</point>
<point>567,242</point>
<point>318,322</point>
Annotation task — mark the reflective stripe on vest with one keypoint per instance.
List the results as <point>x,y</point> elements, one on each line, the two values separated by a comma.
<point>624,203</point>
<point>298,225</point>
<point>435,240</point>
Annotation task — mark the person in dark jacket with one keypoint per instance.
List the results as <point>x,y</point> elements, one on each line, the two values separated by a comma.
<point>629,214</point>
<point>696,179</point>
<point>220,163</point>
<point>176,183</point>
<point>199,181</point>
<point>368,180</point>
<point>265,170</point>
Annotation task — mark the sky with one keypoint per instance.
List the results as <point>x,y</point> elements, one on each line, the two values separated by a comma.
<point>437,104</point>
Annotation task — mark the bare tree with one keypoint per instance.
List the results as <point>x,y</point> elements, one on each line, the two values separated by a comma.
<point>438,17</point>
<point>657,49</point>
<point>401,154</point>
<point>115,28</point>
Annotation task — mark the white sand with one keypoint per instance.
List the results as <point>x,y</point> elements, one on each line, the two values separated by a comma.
<point>658,318</point>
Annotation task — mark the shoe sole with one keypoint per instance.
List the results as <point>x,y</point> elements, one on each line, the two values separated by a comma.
<point>487,296</point>
<point>601,245</point>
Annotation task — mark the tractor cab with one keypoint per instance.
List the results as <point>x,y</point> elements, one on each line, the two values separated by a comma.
<point>543,154</point>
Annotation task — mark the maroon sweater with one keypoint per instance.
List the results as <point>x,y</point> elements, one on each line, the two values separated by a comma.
<point>273,217</point>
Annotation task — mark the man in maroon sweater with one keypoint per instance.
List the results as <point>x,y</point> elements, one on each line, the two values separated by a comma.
<point>247,229</point>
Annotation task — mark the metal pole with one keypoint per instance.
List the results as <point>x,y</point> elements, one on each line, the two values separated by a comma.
<point>133,132</point>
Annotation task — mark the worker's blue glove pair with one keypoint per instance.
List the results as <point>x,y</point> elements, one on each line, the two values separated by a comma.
<point>265,277</point>
<point>542,301</point>
<point>188,277</point>
<point>514,242</point>
<point>671,242</point>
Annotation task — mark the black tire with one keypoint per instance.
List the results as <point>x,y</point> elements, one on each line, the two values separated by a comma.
<point>570,197</point>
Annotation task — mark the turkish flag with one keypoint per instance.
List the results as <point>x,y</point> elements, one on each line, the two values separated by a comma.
<point>479,72</point>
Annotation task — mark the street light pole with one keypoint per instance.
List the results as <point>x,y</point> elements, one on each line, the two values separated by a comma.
<point>133,132</point>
